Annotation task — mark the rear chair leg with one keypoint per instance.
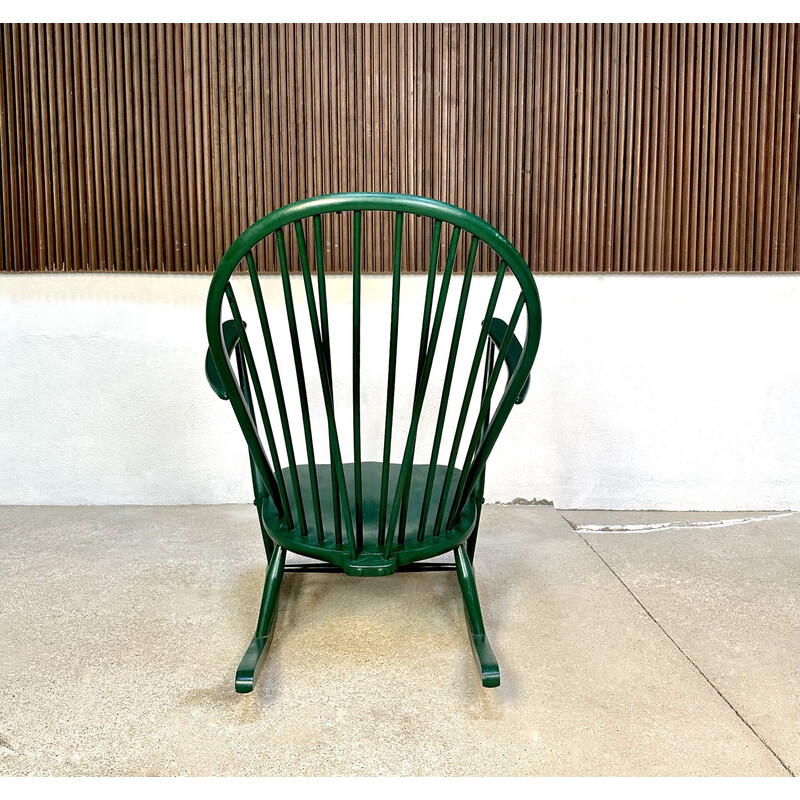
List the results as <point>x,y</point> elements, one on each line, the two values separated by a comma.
<point>490,672</point>
<point>253,659</point>
<point>473,538</point>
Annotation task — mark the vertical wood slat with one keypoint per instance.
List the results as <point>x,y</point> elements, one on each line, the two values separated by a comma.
<point>611,148</point>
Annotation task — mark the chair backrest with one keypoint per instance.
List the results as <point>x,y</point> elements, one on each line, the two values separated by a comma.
<point>299,353</point>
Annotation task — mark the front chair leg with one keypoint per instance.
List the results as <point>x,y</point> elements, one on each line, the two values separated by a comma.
<point>490,672</point>
<point>253,659</point>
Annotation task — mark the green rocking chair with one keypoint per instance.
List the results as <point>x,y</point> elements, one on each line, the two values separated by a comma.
<point>368,518</point>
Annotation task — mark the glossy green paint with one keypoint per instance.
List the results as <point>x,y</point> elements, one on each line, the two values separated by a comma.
<point>368,519</point>
<point>490,671</point>
<point>497,332</point>
<point>475,368</point>
<point>372,474</point>
<point>230,337</point>
<point>486,434</point>
<point>250,665</point>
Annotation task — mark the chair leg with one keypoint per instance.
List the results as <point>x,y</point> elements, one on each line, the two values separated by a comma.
<point>490,672</point>
<point>269,545</point>
<point>253,659</point>
<point>473,539</point>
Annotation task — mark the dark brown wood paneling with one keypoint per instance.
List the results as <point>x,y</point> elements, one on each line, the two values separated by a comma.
<point>594,148</point>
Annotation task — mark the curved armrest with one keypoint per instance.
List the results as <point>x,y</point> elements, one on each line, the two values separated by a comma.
<point>231,338</point>
<point>497,332</point>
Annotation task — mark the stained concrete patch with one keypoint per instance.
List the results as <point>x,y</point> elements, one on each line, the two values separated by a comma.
<point>581,518</point>
<point>679,523</point>
<point>122,629</point>
<point>730,597</point>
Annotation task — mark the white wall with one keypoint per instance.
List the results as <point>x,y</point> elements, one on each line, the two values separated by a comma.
<point>660,392</point>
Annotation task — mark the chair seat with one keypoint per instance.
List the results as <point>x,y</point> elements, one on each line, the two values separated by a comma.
<point>371,553</point>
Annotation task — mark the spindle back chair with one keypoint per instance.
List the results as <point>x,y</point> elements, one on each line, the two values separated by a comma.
<point>367,517</point>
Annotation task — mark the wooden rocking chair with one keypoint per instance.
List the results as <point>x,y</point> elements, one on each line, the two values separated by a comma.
<point>367,518</point>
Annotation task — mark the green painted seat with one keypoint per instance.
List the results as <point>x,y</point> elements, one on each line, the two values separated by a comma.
<point>309,431</point>
<point>413,549</point>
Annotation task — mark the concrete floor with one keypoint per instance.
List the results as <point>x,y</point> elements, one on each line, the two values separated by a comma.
<point>669,652</point>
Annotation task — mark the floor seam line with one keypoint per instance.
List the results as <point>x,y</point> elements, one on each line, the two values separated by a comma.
<point>685,655</point>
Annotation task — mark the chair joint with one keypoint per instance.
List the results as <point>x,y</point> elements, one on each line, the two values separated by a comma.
<point>370,565</point>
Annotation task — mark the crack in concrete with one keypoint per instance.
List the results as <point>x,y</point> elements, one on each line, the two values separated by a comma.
<point>683,652</point>
<point>677,525</point>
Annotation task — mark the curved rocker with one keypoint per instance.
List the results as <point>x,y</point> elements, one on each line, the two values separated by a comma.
<point>368,518</point>
<point>484,655</point>
<point>253,659</point>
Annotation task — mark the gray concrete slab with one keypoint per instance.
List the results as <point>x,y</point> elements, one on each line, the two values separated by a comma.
<point>121,629</point>
<point>729,597</point>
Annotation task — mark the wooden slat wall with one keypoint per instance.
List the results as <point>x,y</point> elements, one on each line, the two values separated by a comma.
<point>610,148</point>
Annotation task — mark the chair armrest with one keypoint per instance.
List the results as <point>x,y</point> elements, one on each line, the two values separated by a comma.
<point>231,338</point>
<point>497,332</point>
